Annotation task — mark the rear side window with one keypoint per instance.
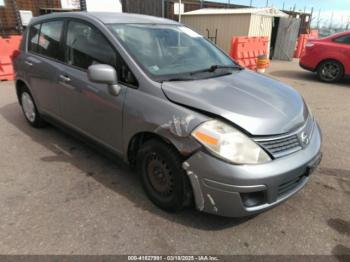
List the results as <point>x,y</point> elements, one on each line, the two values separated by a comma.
<point>33,38</point>
<point>49,40</point>
<point>86,46</point>
<point>343,39</point>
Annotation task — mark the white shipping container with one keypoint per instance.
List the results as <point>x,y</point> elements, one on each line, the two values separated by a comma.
<point>104,5</point>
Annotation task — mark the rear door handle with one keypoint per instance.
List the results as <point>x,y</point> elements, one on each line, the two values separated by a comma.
<point>29,63</point>
<point>65,78</point>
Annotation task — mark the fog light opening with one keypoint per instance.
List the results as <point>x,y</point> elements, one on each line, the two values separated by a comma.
<point>253,199</point>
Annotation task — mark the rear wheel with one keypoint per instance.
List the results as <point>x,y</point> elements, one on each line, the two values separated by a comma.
<point>162,176</point>
<point>30,110</point>
<point>330,71</point>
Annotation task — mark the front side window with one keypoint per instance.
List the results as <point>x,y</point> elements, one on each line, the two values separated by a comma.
<point>49,39</point>
<point>168,50</point>
<point>86,46</point>
<point>343,39</point>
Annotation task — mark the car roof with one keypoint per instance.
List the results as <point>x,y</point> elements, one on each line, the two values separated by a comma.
<point>108,18</point>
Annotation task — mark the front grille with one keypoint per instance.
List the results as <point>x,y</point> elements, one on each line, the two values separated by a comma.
<point>287,144</point>
<point>282,146</point>
<point>289,185</point>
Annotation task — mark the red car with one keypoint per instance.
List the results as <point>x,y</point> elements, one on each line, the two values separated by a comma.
<point>329,57</point>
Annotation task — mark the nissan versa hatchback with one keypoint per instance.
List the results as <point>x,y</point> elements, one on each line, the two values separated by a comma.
<point>198,128</point>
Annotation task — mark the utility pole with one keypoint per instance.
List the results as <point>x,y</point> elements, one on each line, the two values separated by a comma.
<point>251,3</point>
<point>267,3</point>
<point>311,17</point>
<point>179,11</point>
<point>319,19</point>
<point>331,22</point>
<point>283,6</point>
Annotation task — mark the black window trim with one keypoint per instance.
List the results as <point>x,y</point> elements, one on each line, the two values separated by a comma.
<point>28,36</point>
<point>61,38</point>
<point>78,20</point>
<point>341,43</point>
<point>63,45</point>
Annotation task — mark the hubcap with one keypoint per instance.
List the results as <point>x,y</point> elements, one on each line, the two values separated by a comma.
<point>160,176</point>
<point>330,71</point>
<point>28,107</point>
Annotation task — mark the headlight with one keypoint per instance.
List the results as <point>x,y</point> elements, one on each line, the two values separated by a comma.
<point>230,144</point>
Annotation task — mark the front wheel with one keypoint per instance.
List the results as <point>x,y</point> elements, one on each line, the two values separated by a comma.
<point>162,176</point>
<point>330,71</point>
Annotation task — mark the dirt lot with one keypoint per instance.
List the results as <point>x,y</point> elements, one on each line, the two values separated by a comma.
<point>58,196</point>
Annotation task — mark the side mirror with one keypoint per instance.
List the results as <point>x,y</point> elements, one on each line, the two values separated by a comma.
<point>104,74</point>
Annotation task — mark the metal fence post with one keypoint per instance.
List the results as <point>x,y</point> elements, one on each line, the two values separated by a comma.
<point>180,11</point>
<point>163,6</point>
<point>18,17</point>
<point>83,5</point>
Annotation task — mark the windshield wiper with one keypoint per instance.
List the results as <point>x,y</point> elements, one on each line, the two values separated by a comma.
<point>213,68</point>
<point>178,79</point>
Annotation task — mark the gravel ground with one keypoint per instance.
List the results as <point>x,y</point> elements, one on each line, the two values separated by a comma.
<point>59,196</point>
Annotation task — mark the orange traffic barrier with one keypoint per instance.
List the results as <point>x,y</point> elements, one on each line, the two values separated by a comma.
<point>8,48</point>
<point>300,46</point>
<point>6,69</point>
<point>246,50</point>
<point>301,42</point>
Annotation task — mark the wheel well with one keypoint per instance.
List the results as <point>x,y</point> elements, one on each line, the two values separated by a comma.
<point>329,59</point>
<point>20,86</point>
<point>138,140</point>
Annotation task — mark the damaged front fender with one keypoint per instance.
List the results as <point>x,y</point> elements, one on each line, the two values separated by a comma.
<point>157,115</point>
<point>177,130</point>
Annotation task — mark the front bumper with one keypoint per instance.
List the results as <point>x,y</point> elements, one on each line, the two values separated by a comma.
<point>240,190</point>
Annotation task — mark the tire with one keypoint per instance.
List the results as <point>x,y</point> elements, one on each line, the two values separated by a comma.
<point>162,176</point>
<point>30,110</point>
<point>330,71</point>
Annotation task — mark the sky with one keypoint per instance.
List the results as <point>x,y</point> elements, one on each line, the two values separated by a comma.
<point>340,8</point>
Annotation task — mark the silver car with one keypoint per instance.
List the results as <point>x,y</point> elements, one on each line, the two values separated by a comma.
<point>198,128</point>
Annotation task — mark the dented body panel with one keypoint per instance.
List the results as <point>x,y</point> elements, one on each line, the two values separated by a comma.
<point>258,104</point>
<point>219,186</point>
<point>156,114</point>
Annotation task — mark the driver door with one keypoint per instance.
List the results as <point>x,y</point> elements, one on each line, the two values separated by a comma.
<point>86,106</point>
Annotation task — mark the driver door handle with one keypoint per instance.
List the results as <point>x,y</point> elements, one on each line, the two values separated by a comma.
<point>28,63</point>
<point>65,78</point>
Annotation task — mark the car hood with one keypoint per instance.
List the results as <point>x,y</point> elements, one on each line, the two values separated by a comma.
<point>256,103</point>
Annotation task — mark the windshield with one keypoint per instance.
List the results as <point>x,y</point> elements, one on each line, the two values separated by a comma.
<point>171,51</point>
